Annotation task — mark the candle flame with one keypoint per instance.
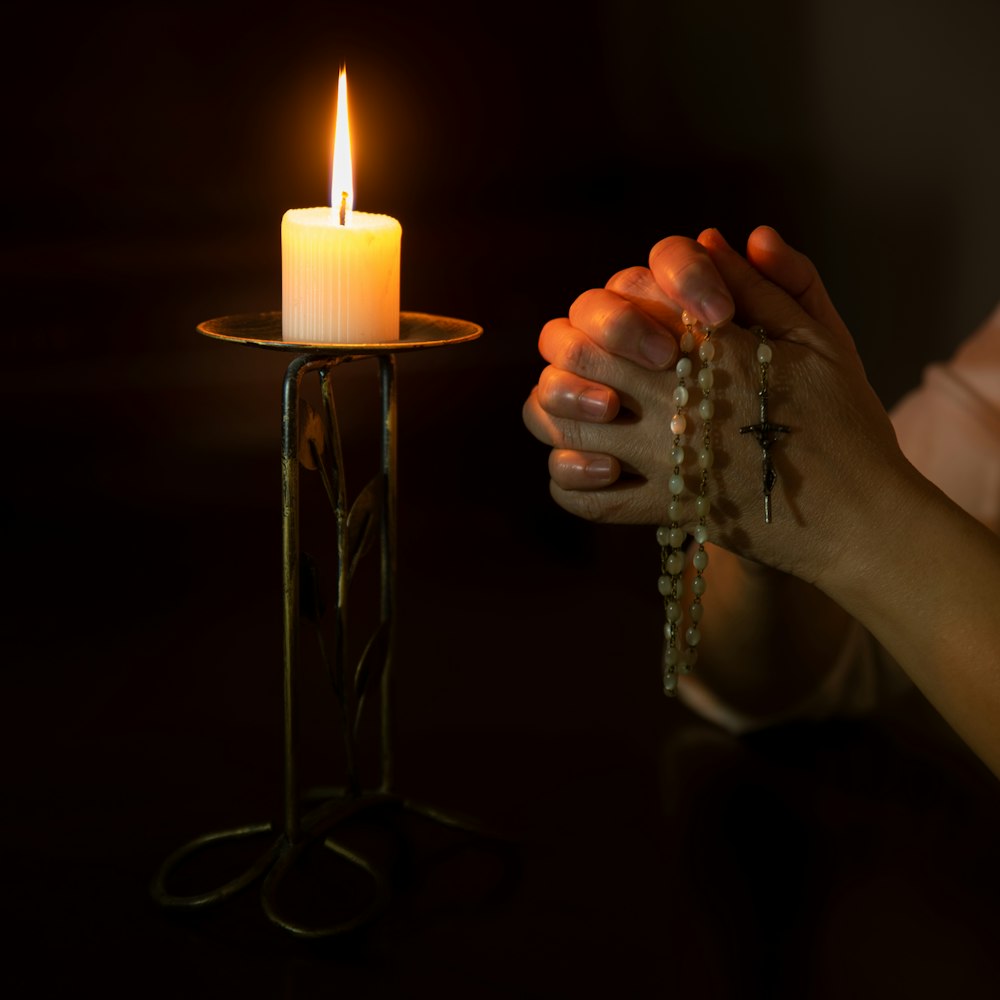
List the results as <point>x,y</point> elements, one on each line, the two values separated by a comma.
<point>342,186</point>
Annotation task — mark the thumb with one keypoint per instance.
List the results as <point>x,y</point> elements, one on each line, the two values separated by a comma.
<point>795,273</point>
<point>760,300</point>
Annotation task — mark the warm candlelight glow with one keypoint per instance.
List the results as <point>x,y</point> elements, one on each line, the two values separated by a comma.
<point>340,268</point>
<point>342,181</point>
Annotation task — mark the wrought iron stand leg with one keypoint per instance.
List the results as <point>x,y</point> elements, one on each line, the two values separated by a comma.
<point>290,581</point>
<point>387,384</point>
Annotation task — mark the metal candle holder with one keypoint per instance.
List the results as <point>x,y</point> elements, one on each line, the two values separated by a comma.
<point>355,526</point>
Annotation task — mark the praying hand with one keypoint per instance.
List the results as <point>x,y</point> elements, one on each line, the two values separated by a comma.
<point>860,537</point>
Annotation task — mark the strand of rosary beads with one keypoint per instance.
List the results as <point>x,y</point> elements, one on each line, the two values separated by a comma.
<point>679,654</point>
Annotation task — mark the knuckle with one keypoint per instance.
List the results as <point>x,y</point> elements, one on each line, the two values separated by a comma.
<point>547,336</point>
<point>575,355</point>
<point>569,435</point>
<point>586,300</point>
<point>665,248</point>
<point>693,269</point>
<point>563,468</point>
<point>584,504</point>
<point>619,326</point>
<point>547,389</point>
<point>603,506</point>
<point>630,281</point>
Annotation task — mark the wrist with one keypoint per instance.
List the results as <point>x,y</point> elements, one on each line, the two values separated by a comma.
<point>890,535</point>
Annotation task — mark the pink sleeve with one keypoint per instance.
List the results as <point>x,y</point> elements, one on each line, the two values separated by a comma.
<point>949,428</point>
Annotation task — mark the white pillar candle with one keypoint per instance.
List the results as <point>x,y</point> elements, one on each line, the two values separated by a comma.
<point>339,283</point>
<point>340,268</point>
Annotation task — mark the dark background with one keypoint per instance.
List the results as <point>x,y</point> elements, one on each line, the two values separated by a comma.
<point>151,150</point>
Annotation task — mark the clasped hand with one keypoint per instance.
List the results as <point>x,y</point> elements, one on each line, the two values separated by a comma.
<point>604,403</point>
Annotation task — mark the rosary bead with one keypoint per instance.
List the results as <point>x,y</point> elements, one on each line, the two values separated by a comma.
<point>692,636</point>
<point>706,378</point>
<point>764,354</point>
<point>698,586</point>
<point>696,611</point>
<point>681,396</point>
<point>663,534</point>
<point>673,611</point>
<point>684,367</point>
<point>674,509</point>
<point>677,455</point>
<point>678,423</point>
<point>687,661</point>
<point>665,584</point>
<point>676,484</point>
<point>702,506</point>
<point>706,458</point>
<point>687,341</point>
<point>676,538</point>
<point>706,409</point>
<point>700,560</point>
<point>670,683</point>
<point>675,564</point>
<point>706,350</point>
<point>701,534</point>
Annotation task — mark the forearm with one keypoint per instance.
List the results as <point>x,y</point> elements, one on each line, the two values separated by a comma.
<point>924,577</point>
<point>769,639</point>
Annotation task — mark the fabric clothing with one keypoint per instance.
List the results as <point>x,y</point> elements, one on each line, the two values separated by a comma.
<point>949,428</point>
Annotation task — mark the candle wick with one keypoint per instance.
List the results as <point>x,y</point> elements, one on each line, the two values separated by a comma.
<point>343,208</point>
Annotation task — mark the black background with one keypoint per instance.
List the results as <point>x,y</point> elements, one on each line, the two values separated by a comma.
<point>150,152</point>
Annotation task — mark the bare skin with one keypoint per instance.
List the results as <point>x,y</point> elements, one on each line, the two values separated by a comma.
<point>857,531</point>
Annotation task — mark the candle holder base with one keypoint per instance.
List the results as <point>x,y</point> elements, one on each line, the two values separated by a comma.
<point>320,819</point>
<point>275,866</point>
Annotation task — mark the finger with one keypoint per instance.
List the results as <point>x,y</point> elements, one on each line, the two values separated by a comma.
<point>539,421</point>
<point>563,394</point>
<point>638,285</point>
<point>758,300</point>
<point>565,347</point>
<point>688,275</point>
<point>582,470</point>
<point>618,440</point>
<point>620,328</point>
<point>795,273</point>
<point>622,502</point>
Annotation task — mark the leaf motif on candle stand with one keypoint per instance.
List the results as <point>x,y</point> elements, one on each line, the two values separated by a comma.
<point>313,607</point>
<point>371,667</point>
<point>362,521</point>
<point>312,439</point>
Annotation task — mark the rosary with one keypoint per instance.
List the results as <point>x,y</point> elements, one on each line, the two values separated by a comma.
<point>681,632</point>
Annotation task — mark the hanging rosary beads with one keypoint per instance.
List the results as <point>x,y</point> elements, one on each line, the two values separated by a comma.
<point>682,637</point>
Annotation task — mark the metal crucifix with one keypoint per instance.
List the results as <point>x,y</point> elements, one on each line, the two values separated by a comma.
<point>766,434</point>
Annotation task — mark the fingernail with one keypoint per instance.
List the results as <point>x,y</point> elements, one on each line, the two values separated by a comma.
<point>595,402</point>
<point>599,468</point>
<point>658,350</point>
<point>716,308</point>
<point>722,239</point>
